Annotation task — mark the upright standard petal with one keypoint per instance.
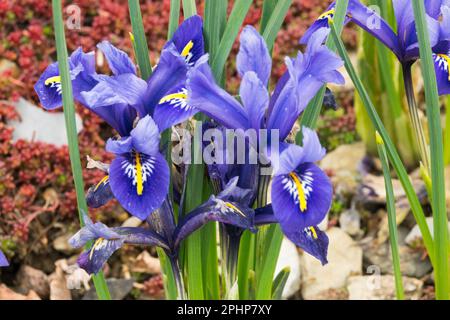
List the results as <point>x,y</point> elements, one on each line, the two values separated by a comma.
<point>146,137</point>
<point>301,198</point>
<point>3,261</point>
<point>119,62</point>
<point>255,98</point>
<point>173,108</point>
<point>188,39</point>
<point>170,71</point>
<point>139,182</point>
<point>253,55</point>
<point>117,100</point>
<point>205,95</point>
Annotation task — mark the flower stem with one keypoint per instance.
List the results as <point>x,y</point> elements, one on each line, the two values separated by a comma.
<point>415,118</point>
<point>178,277</point>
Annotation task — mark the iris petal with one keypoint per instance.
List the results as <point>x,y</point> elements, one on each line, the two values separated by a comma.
<point>3,261</point>
<point>205,95</point>
<point>119,62</point>
<point>253,55</point>
<point>442,69</point>
<point>215,209</point>
<point>92,261</point>
<point>173,108</point>
<point>301,198</point>
<point>139,182</point>
<point>188,39</point>
<point>100,194</point>
<point>312,240</point>
<point>170,71</point>
<point>255,98</point>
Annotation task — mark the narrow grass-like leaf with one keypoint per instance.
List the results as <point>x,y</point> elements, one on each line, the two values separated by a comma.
<point>174,17</point>
<point>264,278</point>
<point>436,152</point>
<point>447,131</point>
<point>193,199</point>
<point>275,21</point>
<point>215,23</point>
<point>246,257</point>
<point>312,112</point>
<point>267,9</point>
<point>279,283</point>
<point>142,54</point>
<point>390,148</point>
<point>392,220</point>
<point>189,8</point>
<point>71,130</point>
<point>237,16</point>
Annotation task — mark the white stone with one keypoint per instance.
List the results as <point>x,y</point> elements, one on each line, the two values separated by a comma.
<point>381,287</point>
<point>344,259</point>
<point>36,124</point>
<point>289,257</point>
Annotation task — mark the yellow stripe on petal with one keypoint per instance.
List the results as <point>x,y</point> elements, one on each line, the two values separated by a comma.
<point>187,49</point>
<point>301,192</point>
<point>51,80</point>
<point>327,15</point>
<point>104,180</point>
<point>234,208</point>
<point>172,96</point>
<point>97,243</point>
<point>139,183</point>
<point>313,232</point>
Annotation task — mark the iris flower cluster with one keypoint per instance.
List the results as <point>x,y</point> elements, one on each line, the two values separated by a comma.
<point>403,42</point>
<point>181,85</point>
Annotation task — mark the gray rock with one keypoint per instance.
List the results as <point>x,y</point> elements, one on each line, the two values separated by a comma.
<point>119,289</point>
<point>344,260</point>
<point>350,222</point>
<point>289,257</point>
<point>378,287</point>
<point>412,263</point>
<point>36,124</point>
<point>30,278</point>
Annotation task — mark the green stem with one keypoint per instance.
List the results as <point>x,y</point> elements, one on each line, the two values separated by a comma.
<point>440,219</point>
<point>415,118</point>
<point>71,130</point>
<point>447,131</point>
<point>390,148</point>
<point>178,278</point>
<point>392,221</point>
<point>174,18</point>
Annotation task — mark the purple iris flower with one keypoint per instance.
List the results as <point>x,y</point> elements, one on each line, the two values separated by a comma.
<point>162,230</point>
<point>139,110</point>
<point>3,261</point>
<point>301,193</point>
<point>404,42</point>
<point>120,98</point>
<point>306,74</point>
